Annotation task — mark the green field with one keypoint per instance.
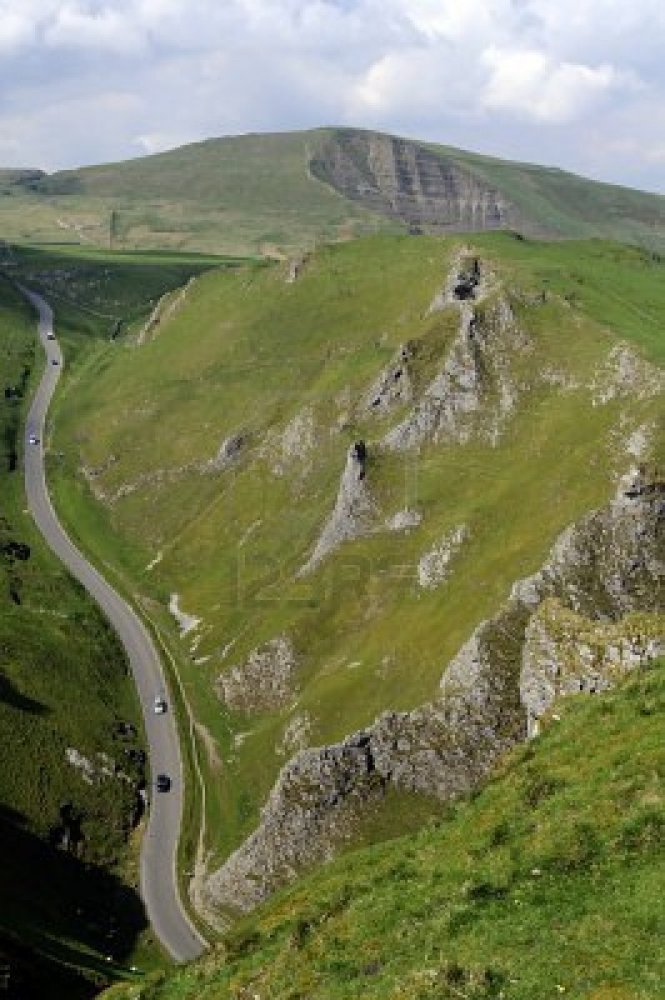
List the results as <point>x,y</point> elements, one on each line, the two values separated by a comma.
<point>251,353</point>
<point>548,882</point>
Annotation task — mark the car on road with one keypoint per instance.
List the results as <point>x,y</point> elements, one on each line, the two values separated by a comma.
<point>33,439</point>
<point>50,335</point>
<point>163,783</point>
<point>159,706</point>
<point>54,361</point>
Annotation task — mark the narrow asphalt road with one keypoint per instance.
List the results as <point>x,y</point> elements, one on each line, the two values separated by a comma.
<point>159,887</point>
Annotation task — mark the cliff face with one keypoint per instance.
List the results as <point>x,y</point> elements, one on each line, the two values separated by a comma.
<point>593,612</point>
<point>404,180</point>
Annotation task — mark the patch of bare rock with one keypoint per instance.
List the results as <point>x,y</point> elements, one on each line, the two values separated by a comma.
<point>434,566</point>
<point>264,682</point>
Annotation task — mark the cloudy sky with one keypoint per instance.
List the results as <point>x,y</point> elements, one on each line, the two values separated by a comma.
<point>573,83</point>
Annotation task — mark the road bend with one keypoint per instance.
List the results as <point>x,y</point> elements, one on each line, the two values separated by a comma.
<point>159,882</point>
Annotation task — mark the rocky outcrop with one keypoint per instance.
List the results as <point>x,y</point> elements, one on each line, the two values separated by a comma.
<point>608,566</point>
<point>229,453</point>
<point>264,682</point>
<point>355,510</point>
<point>566,653</point>
<point>393,386</point>
<point>405,180</point>
<point>474,391</point>
<point>434,565</point>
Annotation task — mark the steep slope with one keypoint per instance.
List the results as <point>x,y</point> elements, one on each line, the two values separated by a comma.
<point>318,546</point>
<point>283,193</point>
<point>549,882</point>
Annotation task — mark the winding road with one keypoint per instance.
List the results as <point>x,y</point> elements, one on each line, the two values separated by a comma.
<point>159,884</point>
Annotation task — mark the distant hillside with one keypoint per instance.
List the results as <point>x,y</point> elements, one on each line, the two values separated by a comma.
<point>281,193</point>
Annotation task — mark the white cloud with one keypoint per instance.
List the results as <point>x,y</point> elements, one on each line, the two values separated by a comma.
<point>499,75</point>
<point>532,83</point>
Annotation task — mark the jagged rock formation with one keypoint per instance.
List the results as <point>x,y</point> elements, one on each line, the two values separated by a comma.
<point>474,391</point>
<point>406,181</point>
<point>608,565</point>
<point>393,385</point>
<point>265,682</point>
<point>566,653</point>
<point>354,511</point>
<point>434,565</point>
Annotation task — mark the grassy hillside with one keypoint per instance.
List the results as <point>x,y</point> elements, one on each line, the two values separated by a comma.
<point>549,882</point>
<point>287,366</point>
<point>71,749</point>
<point>259,194</point>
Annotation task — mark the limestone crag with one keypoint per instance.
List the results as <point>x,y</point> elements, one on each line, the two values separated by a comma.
<point>565,653</point>
<point>613,561</point>
<point>474,391</point>
<point>355,510</point>
<point>265,682</point>
<point>322,794</point>
<point>600,571</point>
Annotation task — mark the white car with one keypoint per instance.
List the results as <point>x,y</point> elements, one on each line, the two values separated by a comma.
<point>50,335</point>
<point>33,439</point>
<point>160,705</point>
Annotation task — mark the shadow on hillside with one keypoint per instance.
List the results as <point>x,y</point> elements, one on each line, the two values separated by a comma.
<point>50,903</point>
<point>13,697</point>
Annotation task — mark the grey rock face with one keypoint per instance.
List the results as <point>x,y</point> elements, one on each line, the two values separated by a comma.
<point>404,180</point>
<point>355,510</point>
<point>604,567</point>
<point>473,392</point>
<point>393,386</point>
<point>266,681</point>
<point>565,654</point>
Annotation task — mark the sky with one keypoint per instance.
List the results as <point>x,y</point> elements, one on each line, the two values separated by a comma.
<point>578,84</point>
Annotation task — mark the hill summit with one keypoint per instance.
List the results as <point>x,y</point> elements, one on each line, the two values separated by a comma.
<point>275,194</point>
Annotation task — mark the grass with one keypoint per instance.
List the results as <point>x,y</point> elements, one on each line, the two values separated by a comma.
<point>255,194</point>
<point>548,882</point>
<point>250,352</point>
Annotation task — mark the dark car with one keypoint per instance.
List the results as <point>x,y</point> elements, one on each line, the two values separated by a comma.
<point>54,361</point>
<point>163,783</point>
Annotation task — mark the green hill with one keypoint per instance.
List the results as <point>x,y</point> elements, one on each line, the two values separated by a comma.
<point>549,882</point>
<point>283,193</point>
<point>205,463</point>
